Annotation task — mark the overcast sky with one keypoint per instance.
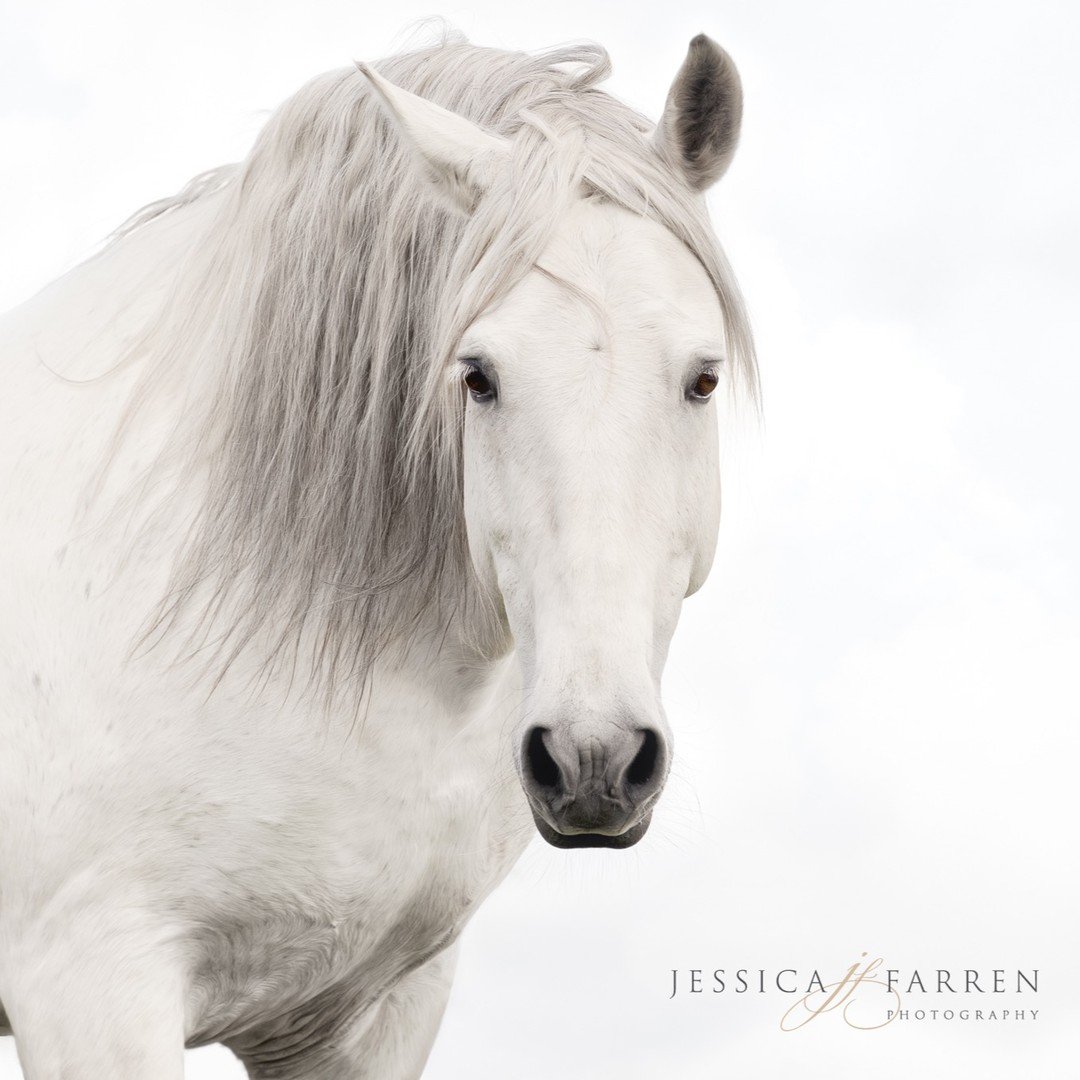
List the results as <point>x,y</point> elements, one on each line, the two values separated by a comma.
<point>874,697</point>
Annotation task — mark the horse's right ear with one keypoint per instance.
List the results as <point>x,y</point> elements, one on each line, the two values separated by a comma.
<point>458,158</point>
<point>697,134</point>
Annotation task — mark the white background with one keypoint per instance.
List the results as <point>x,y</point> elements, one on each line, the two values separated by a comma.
<point>874,697</point>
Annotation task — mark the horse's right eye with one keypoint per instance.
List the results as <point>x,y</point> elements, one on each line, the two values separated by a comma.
<point>704,385</point>
<point>479,384</point>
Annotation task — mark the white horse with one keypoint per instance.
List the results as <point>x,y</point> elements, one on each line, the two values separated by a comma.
<point>346,495</point>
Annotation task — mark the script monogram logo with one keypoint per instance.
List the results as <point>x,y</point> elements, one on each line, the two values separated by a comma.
<point>845,996</point>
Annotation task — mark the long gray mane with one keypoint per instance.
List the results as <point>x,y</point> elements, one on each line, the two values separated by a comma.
<point>328,300</point>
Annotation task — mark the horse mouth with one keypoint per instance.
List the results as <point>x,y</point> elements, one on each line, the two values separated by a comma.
<point>625,839</point>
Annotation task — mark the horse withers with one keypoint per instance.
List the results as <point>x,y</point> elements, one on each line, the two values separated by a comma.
<point>350,499</point>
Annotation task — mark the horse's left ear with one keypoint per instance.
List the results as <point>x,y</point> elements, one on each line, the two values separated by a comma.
<point>700,127</point>
<point>458,158</point>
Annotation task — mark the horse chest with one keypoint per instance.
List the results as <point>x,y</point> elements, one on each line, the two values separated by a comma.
<point>371,872</point>
<point>282,955</point>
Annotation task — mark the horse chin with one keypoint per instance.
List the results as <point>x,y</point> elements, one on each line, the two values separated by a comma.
<point>592,840</point>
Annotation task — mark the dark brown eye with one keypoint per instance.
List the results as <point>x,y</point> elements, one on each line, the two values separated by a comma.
<point>479,384</point>
<point>704,384</point>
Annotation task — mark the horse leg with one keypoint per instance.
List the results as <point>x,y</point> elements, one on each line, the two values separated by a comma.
<point>87,1002</point>
<point>390,1040</point>
<point>397,1042</point>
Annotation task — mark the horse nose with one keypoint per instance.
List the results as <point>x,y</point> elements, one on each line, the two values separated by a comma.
<point>593,787</point>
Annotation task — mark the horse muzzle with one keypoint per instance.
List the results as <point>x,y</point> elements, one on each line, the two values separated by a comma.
<point>593,785</point>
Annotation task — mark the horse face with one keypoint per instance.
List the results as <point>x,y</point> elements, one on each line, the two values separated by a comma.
<point>592,503</point>
<point>591,481</point>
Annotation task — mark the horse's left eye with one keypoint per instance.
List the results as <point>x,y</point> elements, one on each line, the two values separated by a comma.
<point>704,385</point>
<point>479,384</point>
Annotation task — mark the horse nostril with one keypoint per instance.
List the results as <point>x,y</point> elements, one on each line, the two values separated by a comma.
<point>539,763</point>
<point>642,769</point>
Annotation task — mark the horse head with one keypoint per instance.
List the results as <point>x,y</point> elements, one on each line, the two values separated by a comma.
<point>589,451</point>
